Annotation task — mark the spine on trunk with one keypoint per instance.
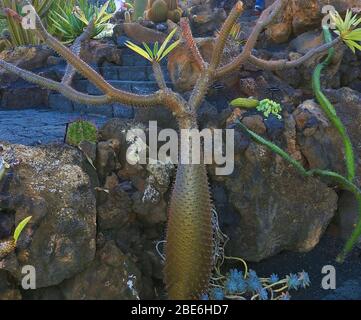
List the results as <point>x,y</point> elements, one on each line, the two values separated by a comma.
<point>189,246</point>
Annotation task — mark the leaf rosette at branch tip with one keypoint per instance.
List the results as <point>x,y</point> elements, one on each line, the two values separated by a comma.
<point>158,53</point>
<point>347,29</point>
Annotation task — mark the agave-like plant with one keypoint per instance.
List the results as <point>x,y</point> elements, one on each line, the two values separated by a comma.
<point>68,20</point>
<point>347,29</point>
<point>157,54</point>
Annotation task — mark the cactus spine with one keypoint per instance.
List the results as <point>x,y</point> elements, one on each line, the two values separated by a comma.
<point>189,245</point>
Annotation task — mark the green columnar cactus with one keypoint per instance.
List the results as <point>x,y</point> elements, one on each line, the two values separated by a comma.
<point>79,131</point>
<point>127,17</point>
<point>139,8</point>
<point>157,10</point>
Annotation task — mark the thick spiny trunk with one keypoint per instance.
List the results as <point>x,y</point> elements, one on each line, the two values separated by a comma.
<point>189,234</point>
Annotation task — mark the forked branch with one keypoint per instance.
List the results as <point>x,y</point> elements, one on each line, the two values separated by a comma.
<point>164,96</point>
<point>273,65</point>
<point>67,91</point>
<point>76,49</point>
<point>224,34</point>
<point>265,19</point>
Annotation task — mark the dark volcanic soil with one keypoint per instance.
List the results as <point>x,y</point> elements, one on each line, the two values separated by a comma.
<point>348,274</point>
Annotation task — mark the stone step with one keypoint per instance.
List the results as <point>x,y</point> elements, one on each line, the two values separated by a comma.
<point>58,102</point>
<point>34,126</point>
<point>131,73</point>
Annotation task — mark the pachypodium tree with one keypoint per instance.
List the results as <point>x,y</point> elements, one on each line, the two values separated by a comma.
<point>189,240</point>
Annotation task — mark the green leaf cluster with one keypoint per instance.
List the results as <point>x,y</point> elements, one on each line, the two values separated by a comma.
<point>347,29</point>
<point>157,54</point>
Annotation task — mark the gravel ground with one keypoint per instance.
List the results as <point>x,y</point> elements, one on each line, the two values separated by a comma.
<point>348,274</point>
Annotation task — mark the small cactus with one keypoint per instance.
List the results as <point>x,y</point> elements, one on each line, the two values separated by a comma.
<point>175,15</point>
<point>79,131</point>
<point>127,17</point>
<point>172,4</point>
<point>157,12</point>
<point>139,8</point>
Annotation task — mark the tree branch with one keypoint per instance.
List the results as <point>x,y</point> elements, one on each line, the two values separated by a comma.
<point>265,19</point>
<point>84,69</point>
<point>158,73</point>
<point>112,94</point>
<point>56,86</point>
<point>224,33</point>
<point>207,76</point>
<point>76,49</point>
<point>273,65</point>
<point>191,44</point>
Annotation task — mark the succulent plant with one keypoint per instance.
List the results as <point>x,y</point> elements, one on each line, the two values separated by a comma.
<point>139,8</point>
<point>67,21</point>
<point>79,131</point>
<point>244,103</point>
